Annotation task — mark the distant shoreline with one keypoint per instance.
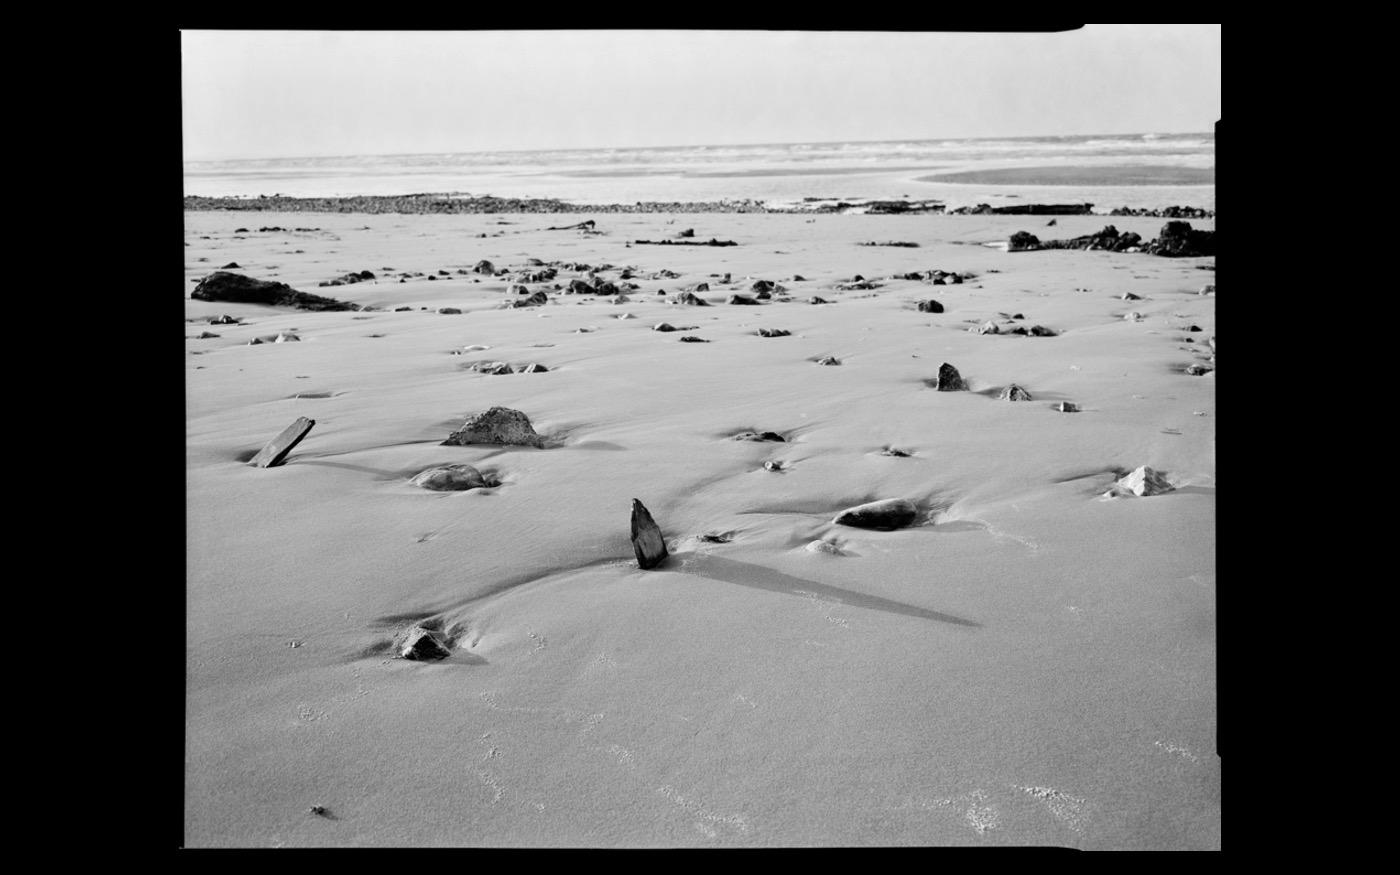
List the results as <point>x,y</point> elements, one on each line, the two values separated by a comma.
<point>451,204</point>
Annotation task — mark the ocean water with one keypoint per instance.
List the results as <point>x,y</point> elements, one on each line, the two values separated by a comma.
<point>1134,170</point>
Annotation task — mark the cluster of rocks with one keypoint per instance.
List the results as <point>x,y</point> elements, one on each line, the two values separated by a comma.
<point>1176,240</point>
<point>1165,212</point>
<point>505,368</point>
<point>711,242</point>
<point>1025,210</point>
<point>239,289</point>
<point>349,279</point>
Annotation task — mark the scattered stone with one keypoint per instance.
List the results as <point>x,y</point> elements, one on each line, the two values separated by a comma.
<point>773,332</point>
<point>690,338</point>
<point>1143,482</point>
<point>828,360</point>
<point>276,450</point>
<point>891,451</point>
<point>762,286</point>
<point>988,327</point>
<point>534,368</point>
<point>949,380</point>
<point>717,537</point>
<point>232,265</point>
<point>1194,328</point>
<point>1208,289</point>
<point>423,644</point>
<point>1041,331</point>
<point>492,368</point>
<point>499,425</point>
<point>1179,240</point>
<point>1022,241</point>
<point>223,320</point>
<point>285,337</point>
<point>742,299</point>
<point>579,287</point>
<point>402,309</point>
<point>450,478</point>
<point>319,811</point>
<point>1129,296</point>
<point>817,300</point>
<point>773,466</point>
<point>1014,393</point>
<point>1067,407</point>
<point>820,546</point>
<point>930,306</point>
<point>1133,316</point>
<point>205,335</point>
<point>449,311</point>
<point>538,299</point>
<point>690,300</point>
<point>485,267</point>
<point>647,542</point>
<point>1198,370</point>
<point>760,436</point>
<point>891,513</point>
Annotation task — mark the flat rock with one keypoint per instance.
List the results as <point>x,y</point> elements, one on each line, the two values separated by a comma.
<point>449,311</point>
<point>742,299</point>
<point>647,542</point>
<point>499,425</point>
<point>1144,481</point>
<point>276,450</point>
<point>773,332</point>
<point>1041,331</point>
<point>240,289</point>
<point>690,338</point>
<point>450,478</point>
<point>759,436</point>
<point>891,513</point>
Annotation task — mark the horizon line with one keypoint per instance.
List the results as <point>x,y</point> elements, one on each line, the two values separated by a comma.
<point>688,146</point>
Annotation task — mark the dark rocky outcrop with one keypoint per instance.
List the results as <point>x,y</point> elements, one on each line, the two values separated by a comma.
<point>238,289</point>
<point>499,425</point>
<point>760,436</point>
<point>1023,241</point>
<point>891,513</point>
<point>538,299</point>
<point>948,379</point>
<point>742,299</point>
<point>1180,240</point>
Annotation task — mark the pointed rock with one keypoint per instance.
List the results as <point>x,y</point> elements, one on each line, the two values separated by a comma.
<point>1014,393</point>
<point>499,425</point>
<point>422,644</point>
<point>647,542</point>
<point>891,513</point>
<point>1145,481</point>
<point>949,380</point>
<point>691,300</point>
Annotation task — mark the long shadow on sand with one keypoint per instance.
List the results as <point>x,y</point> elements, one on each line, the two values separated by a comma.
<point>759,577</point>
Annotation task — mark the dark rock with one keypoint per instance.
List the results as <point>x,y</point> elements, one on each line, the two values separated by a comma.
<point>495,368</point>
<point>647,542</point>
<point>1022,241</point>
<point>485,267</point>
<point>772,436</point>
<point>891,451</point>
<point>1198,370</point>
<point>534,368</point>
<point>276,450</point>
<point>223,320</point>
<point>232,265</point>
<point>402,309</point>
<point>449,311</point>
<point>816,300</point>
<point>701,287</point>
<point>891,513</point>
<point>499,425</point>
<point>1014,393</point>
<point>538,299</point>
<point>1194,328</point>
<point>773,332</point>
<point>1041,331</point>
<point>762,286</point>
<point>1067,407</point>
<point>579,287</point>
<point>663,326</point>
<point>450,478</point>
<point>690,338</point>
<point>688,232</point>
<point>1044,210</point>
<point>422,644</point>
<point>949,380</point>
<point>828,360</point>
<point>741,299</point>
<point>1179,240</point>
<point>205,335</point>
<point>930,306</point>
<point>239,289</point>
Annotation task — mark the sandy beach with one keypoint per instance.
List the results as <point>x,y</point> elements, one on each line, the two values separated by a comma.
<point>1031,662</point>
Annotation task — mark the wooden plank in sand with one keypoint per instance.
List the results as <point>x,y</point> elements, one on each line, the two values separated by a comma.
<point>647,542</point>
<point>277,449</point>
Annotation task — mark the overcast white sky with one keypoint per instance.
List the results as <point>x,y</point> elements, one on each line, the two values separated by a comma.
<point>254,94</point>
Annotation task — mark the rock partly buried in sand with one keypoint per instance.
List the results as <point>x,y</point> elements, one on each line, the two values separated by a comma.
<point>1041,331</point>
<point>948,379</point>
<point>828,360</point>
<point>534,368</point>
<point>492,368</point>
<point>930,306</point>
<point>1198,370</point>
<point>691,300</point>
<point>1180,240</point>
<point>647,542</point>
<point>1014,393</point>
<point>538,299</point>
<point>1144,481</point>
<point>663,326</point>
<point>759,436</point>
<point>690,338</point>
<point>1067,407</point>
<point>742,299</point>
<point>205,335</point>
<point>499,425</point>
<point>449,311</point>
<point>897,453</point>
<point>988,327</point>
<point>773,332</point>
<point>824,547</point>
<point>450,478</point>
<point>422,644</point>
<point>1129,296</point>
<point>239,289</point>
<point>817,300</point>
<point>891,513</point>
<point>1022,241</point>
<point>484,266</point>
